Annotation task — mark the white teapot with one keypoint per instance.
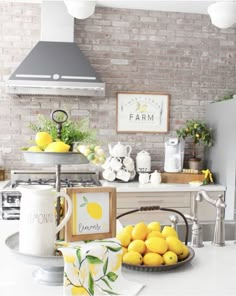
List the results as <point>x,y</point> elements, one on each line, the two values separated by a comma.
<point>119,150</point>
<point>143,161</point>
<point>155,178</point>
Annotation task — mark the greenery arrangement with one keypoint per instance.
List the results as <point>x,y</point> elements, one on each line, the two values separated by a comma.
<point>198,131</point>
<point>72,131</point>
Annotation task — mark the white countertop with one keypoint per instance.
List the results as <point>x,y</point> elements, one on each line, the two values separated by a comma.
<point>168,187</point>
<point>211,273</point>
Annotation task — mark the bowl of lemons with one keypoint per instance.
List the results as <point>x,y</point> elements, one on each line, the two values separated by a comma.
<point>147,247</point>
<point>49,152</point>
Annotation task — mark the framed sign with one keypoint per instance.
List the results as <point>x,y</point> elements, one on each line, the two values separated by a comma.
<point>142,112</point>
<point>94,213</point>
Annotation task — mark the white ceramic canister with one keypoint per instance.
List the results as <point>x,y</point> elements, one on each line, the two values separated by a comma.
<point>143,161</point>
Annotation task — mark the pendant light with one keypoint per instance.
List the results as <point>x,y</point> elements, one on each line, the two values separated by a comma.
<point>80,9</point>
<point>223,14</point>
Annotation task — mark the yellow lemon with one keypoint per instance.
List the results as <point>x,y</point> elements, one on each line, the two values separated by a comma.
<point>132,257</point>
<point>140,231</point>
<point>81,291</point>
<point>155,233</point>
<point>118,263</point>
<point>154,226</point>
<point>170,258</point>
<point>137,245</point>
<point>69,258</point>
<point>128,228</point>
<point>157,245</point>
<point>184,254</point>
<point>43,139</point>
<point>87,151</point>
<point>124,238</point>
<point>152,259</point>
<point>34,149</point>
<point>94,210</point>
<point>57,147</point>
<point>124,250</point>
<point>174,245</point>
<point>169,231</point>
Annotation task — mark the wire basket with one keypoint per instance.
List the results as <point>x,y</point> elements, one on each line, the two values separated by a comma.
<point>161,267</point>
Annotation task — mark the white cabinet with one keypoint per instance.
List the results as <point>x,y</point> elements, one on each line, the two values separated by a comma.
<point>182,201</point>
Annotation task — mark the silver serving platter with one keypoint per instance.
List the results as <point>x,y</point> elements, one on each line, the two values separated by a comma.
<point>51,267</point>
<point>161,267</point>
<point>54,158</point>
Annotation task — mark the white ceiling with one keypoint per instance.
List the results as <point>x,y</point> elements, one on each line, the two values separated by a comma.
<point>190,6</point>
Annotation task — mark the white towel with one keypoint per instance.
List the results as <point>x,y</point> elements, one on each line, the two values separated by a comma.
<point>94,268</point>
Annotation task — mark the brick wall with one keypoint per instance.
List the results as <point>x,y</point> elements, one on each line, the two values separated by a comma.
<point>132,50</point>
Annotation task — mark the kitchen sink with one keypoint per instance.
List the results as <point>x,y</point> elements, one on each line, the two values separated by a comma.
<point>208,230</point>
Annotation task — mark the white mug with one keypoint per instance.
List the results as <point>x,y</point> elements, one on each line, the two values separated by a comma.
<point>123,175</point>
<point>107,163</point>
<point>116,164</point>
<point>144,178</point>
<point>109,175</point>
<point>37,227</point>
<point>128,163</point>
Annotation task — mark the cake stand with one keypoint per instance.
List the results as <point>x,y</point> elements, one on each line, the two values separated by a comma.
<point>51,268</point>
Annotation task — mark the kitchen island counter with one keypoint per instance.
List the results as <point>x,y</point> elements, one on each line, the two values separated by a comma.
<point>210,273</point>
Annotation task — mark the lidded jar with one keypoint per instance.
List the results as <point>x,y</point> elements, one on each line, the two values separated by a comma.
<point>143,161</point>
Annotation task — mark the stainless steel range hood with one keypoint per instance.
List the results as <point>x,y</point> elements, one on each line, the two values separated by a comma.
<point>55,66</point>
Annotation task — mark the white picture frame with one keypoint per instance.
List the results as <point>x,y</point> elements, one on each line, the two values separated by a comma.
<point>145,112</point>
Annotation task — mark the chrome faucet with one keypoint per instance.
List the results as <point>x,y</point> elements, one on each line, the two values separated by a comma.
<point>174,220</point>
<point>219,232</point>
<point>196,239</point>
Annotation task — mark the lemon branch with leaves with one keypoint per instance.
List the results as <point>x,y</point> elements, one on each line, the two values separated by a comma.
<point>199,132</point>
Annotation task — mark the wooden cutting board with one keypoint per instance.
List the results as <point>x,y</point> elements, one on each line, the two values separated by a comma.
<point>181,178</point>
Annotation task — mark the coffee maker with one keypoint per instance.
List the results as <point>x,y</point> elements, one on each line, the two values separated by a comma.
<point>174,155</point>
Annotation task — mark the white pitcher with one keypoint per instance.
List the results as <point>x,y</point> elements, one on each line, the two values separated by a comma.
<point>37,229</point>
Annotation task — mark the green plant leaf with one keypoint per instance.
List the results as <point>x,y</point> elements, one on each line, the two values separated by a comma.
<point>113,249</point>
<point>105,266</point>
<point>91,284</point>
<point>107,283</point>
<point>78,254</point>
<point>83,205</point>
<point>85,199</point>
<point>93,260</point>
<point>112,276</point>
<point>110,292</point>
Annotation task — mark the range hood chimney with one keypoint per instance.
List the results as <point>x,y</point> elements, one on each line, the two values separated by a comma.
<point>55,66</point>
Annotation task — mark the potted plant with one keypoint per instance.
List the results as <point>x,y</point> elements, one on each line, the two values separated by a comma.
<point>200,134</point>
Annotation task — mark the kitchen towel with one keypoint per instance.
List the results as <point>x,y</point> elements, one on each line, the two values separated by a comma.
<point>94,269</point>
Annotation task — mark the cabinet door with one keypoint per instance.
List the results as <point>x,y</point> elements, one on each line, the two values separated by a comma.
<point>205,210</point>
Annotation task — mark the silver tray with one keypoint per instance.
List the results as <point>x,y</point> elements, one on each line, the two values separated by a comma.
<point>161,267</point>
<point>51,267</point>
<point>54,158</point>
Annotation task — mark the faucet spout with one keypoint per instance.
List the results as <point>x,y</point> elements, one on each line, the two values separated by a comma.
<point>219,232</point>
